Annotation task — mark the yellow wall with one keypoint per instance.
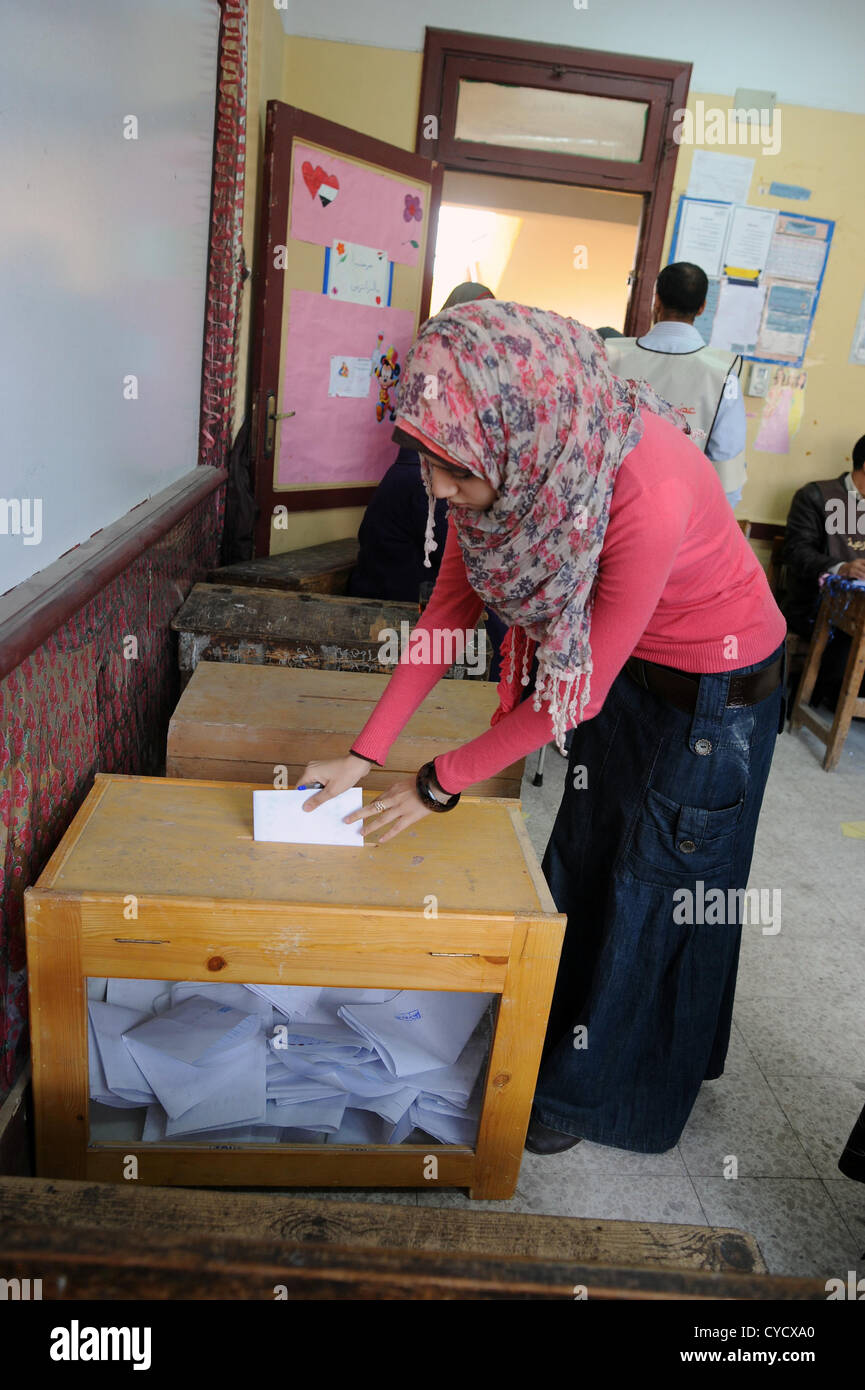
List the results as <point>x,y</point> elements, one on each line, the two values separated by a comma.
<point>376,91</point>
<point>823,151</point>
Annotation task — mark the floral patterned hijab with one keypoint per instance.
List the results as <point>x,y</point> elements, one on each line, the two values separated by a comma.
<point>526,400</point>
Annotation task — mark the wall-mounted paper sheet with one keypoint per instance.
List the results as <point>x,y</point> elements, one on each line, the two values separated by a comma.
<point>723,176</point>
<point>357,274</point>
<point>350,377</point>
<point>344,440</point>
<point>737,317</point>
<point>278,816</point>
<point>749,237</point>
<point>703,234</point>
<point>336,198</point>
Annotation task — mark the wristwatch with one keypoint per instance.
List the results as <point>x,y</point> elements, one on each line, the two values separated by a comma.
<point>426,775</point>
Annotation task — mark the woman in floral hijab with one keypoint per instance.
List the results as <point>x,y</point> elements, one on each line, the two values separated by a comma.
<point>580,510</point>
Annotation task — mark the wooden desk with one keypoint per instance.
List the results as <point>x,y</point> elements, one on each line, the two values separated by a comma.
<point>320,569</point>
<point>238,723</point>
<point>842,607</point>
<point>275,627</point>
<point>159,879</point>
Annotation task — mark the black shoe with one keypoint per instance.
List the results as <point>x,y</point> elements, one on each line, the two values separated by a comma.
<point>541,1140</point>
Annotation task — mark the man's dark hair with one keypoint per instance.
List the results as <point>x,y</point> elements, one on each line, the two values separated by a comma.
<point>682,287</point>
<point>859,453</point>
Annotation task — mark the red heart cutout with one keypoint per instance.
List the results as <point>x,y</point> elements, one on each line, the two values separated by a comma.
<point>315,177</point>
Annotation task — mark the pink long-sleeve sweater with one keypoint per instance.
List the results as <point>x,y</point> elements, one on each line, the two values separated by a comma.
<point>677,584</point>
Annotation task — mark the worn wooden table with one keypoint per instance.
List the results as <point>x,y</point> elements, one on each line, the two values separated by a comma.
<point>274,627</point>
<point>319,569</point>
<point>242,723</point>
<point>161,879</point>
<point>842,607</point>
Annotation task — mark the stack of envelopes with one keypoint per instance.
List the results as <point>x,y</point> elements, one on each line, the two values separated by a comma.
<point>286,1063</point>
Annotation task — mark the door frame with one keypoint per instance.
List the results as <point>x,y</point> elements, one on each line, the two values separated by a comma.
<point>450,56</point>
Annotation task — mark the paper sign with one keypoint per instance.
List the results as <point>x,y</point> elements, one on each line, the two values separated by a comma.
<point>279,817</point>
<point>749,238</point>
<point>702,235</point>
<point>337,198</point>
<point>737,318</point>
<point>350,376</point>
<point>723,176</point>
<point>322,443</point>
<point>357,274</point>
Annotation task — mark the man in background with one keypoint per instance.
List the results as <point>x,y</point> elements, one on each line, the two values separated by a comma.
<point>825,534</point>
<point>703,382</point>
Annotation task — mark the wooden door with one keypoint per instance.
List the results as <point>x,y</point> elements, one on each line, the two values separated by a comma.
<point>344,273</point>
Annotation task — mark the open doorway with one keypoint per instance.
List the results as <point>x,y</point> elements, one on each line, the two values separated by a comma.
<point>548,245</point>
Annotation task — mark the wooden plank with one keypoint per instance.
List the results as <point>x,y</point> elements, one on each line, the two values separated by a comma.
<point>83,1263</point>
<point>183,1211</point>
<point>261,943</point>
<point>322,569</point>
<point>58,1032</point>
<point>270,1165</point>
<point>516,1053</point>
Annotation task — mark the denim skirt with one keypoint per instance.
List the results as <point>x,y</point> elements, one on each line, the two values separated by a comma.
<point>660,807</point>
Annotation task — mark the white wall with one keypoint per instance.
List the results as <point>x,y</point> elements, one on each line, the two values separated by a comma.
<point>810,54</point>
<point>103,248</point>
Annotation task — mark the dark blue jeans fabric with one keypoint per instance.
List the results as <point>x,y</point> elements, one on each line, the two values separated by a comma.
<point>671,801</point>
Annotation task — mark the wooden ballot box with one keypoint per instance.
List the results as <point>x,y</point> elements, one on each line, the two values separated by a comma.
<point>240,723</point>
<point>160,879</point>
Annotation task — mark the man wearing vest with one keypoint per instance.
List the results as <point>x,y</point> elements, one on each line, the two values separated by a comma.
<point>702,381</point>
<point>825,532</point>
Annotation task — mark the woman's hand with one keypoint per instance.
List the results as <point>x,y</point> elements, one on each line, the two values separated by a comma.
<point>336,775</point>
<point>402,807</point>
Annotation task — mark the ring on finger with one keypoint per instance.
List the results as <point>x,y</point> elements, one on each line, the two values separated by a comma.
<point>379,806</point>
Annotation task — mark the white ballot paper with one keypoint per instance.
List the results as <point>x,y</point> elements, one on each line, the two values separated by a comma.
<point>183,1052</point>
<point>242,997</point>
<point>279,817</point>
<point>418,1030</point>
<point>240,1097</point>
<point>122,1075</point>
<point>292,1001</point>
<point>134,994</point>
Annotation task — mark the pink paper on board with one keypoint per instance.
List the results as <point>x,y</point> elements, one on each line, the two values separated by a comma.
<point>334,198</point>
<point>337,439</point>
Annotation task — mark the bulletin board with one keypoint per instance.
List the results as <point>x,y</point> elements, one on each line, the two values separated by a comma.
<point>350,239</point>
<point>765,271</point>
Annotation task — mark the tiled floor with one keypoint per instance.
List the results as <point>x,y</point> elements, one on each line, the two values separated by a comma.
<point>795,1077</point>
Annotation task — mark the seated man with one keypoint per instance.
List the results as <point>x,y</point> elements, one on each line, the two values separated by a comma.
<point>825,532</point>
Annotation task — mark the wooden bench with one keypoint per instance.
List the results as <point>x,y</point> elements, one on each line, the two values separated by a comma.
<point>91,1240</point>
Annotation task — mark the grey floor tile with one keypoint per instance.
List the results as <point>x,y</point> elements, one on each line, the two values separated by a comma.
<point>822,1111</point>
<point>401,1196</point>
<point>805,1036</point>
<point>848,1198</point>
<point>737,1125</point>
<point>559,1188</point>
<point>796,1225</point>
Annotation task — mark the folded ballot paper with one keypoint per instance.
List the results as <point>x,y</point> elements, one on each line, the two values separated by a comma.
<point>280,816</point>
<point>230,1063</point>
<point>416,1031</point>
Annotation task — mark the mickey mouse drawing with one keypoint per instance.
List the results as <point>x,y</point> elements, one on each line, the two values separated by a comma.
<point>387,371</point>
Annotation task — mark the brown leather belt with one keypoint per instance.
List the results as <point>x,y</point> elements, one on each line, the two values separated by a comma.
<point>680,688</point>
